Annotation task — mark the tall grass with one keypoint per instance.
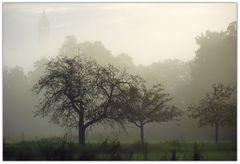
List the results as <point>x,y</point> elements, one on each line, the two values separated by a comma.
<point>64,149</point>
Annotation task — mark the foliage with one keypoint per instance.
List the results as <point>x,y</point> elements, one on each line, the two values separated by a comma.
<point>218,107</point>
<point>215,61</point>
<point>150,105</point>
<point>95,50</point>
<point>17,100</point>
<point>172,73</point>
<point>77,92</point>
<point>143,106</point>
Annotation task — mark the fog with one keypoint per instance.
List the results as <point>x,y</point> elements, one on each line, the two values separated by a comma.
<point>159,41</point>
<point>146,32</point>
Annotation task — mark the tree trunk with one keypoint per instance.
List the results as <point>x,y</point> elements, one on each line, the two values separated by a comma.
<point>216,133</point>
<point>142,133</point>
<point>81,133</point>
<point>81,128</point>
<point>235,134</point>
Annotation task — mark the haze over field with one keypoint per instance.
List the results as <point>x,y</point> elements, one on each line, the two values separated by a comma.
<point>147,32</point>
<point>187,47</point>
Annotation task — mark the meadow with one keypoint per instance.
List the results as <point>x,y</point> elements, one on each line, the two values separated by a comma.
<point>60,149</point>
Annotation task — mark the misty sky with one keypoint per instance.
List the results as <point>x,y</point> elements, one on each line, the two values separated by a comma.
<point>146,32</point>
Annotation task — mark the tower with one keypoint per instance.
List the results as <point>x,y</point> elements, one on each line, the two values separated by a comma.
<point>43,29</point>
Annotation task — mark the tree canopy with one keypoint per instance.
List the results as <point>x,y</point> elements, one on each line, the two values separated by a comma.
<point>78,92</point>
<point>215,60</point>
<point>144,106</point>
<point>217,108</point>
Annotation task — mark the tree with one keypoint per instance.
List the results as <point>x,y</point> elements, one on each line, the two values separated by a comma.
<point>39,68</point>
<point>123,60</point>
<point>78,92</point>
<point>217,108</point>
<point>70,47</point>
<point>17,102</point>
<point>149,105</point>
<point>215,61</point>
<point>15,91</point>
<point>96,50</point>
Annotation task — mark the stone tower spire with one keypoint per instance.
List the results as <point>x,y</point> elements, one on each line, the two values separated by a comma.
<point>43,29</point>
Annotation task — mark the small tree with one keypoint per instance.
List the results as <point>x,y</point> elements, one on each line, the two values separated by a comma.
<point>78,92</point>
<point>149,105</point>
<point>216,109</point>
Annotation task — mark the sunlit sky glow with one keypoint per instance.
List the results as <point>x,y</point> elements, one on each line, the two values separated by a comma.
<point>148,32</point>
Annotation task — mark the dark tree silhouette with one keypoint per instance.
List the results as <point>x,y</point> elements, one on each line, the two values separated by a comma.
<point>78,92</point>
<point>149,105</point>
<point>217,108</point>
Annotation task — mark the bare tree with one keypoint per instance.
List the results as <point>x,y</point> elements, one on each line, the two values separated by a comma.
<point>144,106</point>
<point>217,108</point>
<point>79,93</point>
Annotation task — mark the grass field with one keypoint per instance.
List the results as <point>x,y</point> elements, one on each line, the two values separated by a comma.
<point>58,149</point>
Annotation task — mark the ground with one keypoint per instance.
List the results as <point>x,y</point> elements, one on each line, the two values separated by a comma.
<point>59,149</point>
